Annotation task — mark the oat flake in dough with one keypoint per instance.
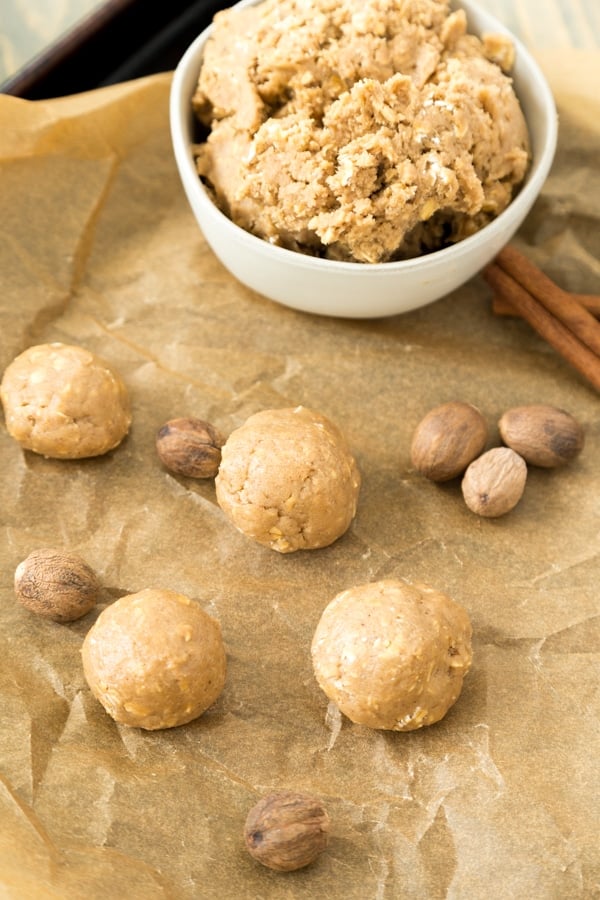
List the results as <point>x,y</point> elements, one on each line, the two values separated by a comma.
<point>362,130</point>
<point>392,655</point>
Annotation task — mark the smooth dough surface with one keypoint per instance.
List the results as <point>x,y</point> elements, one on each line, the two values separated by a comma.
<point>288,480</point>
<point>155,659</point>
<point>63,401</point>
<point>392,655</point>
<point>362,130</point>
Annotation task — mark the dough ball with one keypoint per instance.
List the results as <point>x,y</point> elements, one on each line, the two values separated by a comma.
<point>288,480</point>
<point>64,402</point>
<point>155,659</point>
<point>392,655</point>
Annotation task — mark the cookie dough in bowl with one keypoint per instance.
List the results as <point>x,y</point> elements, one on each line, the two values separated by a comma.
<point>155,659</point>
<point>359,130</point>
<point>330,284</point>
<point>64,402</point>
<point>288,480</point>
<point>392,655</point>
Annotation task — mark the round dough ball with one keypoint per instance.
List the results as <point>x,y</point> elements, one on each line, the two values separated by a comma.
<point>64,402</point>
<point>155,659</point>
<point>392,655</point>
<point>288,480</point>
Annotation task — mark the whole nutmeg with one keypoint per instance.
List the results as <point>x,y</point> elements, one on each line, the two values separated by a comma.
<point>447,440</point>
<point>494,483</point>
<point>543,435</point>
<point>56,585</point>
<point>190,446</point>
<point>286,830</point>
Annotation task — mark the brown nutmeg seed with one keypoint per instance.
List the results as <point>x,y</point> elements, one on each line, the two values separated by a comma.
<point>286,830</point>
<point>447,440</point>
<point>494,482</point>
<point>56,585</point>
<point>543,435</point>
<point>190,447</point>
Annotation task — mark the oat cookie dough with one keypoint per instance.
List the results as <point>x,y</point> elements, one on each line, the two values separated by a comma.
<point>392,655</point>
<point>155,659</point>
<point>65,402</point>
<point>361,130</point>
<point>288,480</point>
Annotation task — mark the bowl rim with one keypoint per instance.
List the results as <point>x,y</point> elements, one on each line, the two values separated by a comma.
<point>180,118</point>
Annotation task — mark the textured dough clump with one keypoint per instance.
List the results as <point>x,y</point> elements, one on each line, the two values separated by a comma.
<point>362,130</point>
<point>288,480</point>
<point>155,659</point>
<point>65,402</point>
<point>392,655</point>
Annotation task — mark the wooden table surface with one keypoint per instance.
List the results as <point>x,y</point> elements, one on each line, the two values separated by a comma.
<point>552,24</point>
<point>27,27</point>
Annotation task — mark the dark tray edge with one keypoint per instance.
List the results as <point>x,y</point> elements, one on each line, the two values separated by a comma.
<point>123,39</point>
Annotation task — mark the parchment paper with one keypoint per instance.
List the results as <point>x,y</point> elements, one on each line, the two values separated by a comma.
<point>98,247</point>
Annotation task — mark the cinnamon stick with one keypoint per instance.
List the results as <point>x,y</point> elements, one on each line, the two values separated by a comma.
<point>560,303</point>
<point>567,343</point>
<point>591,302</point>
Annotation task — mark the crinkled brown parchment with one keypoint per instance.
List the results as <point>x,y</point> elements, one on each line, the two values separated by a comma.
<point>98,247</point>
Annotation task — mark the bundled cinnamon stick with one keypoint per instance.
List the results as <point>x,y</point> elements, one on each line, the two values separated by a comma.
<point>556,315</point>
<point>591,302</point>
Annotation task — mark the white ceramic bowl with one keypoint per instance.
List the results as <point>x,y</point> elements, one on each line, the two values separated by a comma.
<point>362,290</point>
